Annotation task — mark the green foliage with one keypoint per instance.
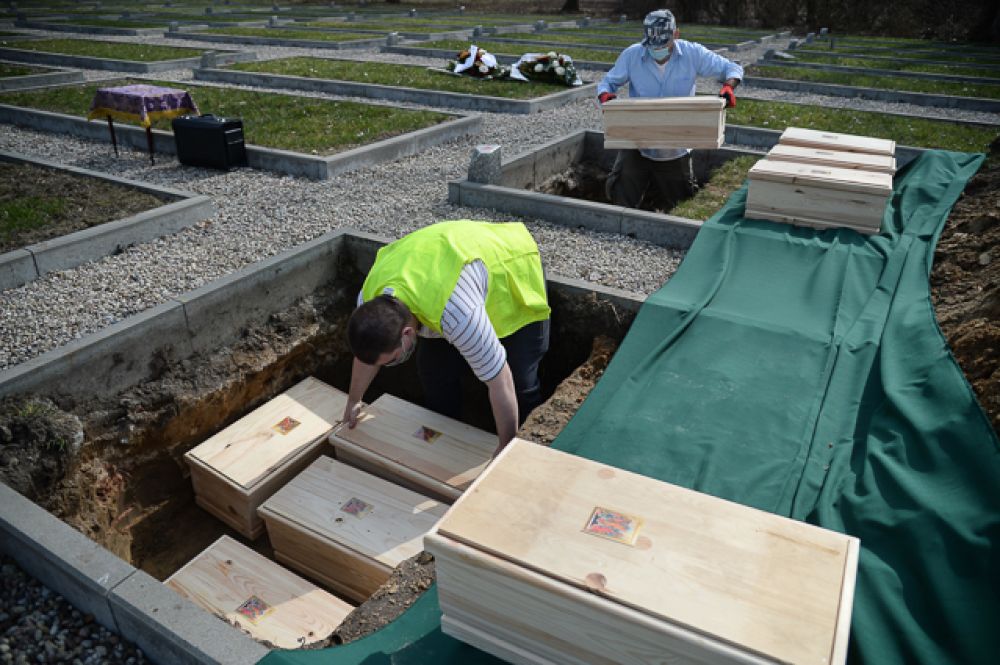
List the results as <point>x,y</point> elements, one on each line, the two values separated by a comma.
<point>883,82</point>
<point>114,50</point>
<point>28,212</point>
<point>900,65</point>
<point>8,70</point>
<point>282,33</point>
<point>722,182</point>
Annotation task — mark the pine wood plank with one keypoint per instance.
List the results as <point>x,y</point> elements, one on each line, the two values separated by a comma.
<point>814,138</point>
<point>343,546</point>
<point>369,462</point>
<point>393,429</point>
<point>741,576</point>
<point>292,612</point>
<point>250,449</point>
<point>849,181</point>
<point>668,122</point>
<point>838,158</point>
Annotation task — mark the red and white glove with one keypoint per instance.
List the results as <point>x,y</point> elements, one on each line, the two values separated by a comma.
<point>729,95</point>
<point>606,97</point>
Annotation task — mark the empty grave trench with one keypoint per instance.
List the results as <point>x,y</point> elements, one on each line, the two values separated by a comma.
<point>128,487</point>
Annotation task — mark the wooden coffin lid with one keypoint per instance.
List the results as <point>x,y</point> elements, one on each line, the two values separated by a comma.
<point>768,583</point>
<point>828,177</point>
<point>247,451</point>
<point>686,104</point>
<point>394,428</point>
<point>373,517</point>
<point>814,138</point>
<point>845,160</point>
<point>227,576</point>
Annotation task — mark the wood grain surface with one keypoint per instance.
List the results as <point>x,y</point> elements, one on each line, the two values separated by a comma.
<point>838,158</point>
<point>814,138</point>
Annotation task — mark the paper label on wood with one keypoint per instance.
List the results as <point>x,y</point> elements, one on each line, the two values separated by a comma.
<point>426,434</point>
<point>286,425</point>
<point>254,609</point>
<point>613,525</point>
<point>357,507</point>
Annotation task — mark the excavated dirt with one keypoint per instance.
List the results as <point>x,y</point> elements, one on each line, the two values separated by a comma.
<point>81,202</point>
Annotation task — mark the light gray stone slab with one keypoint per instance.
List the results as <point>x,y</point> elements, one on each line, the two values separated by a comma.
<point>87,62</point>
<point>16,267</point>
<point>60,77</point>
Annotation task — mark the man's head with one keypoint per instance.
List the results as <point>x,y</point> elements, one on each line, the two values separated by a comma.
<point>382,332</point>
<point>659,29</point>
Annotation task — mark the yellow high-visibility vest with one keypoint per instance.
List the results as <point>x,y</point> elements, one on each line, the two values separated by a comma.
<point>422,269</point>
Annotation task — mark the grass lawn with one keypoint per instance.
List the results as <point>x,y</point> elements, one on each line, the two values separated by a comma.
<point>918,132</point>
<point>114,50</point>
<point>900,65</point>
<point>517,50</point>
<point>8,70</point>
<point>276,33</point>
<point>901,55</point>
<point>722,182</point>
<point>882,82</point>
<point>287,122</point>
<point>411,76</point>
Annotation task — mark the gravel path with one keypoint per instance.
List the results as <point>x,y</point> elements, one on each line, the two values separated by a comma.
<point>261,214</point>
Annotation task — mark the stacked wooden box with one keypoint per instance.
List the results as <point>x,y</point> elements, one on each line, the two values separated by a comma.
<point>551,558</point>
<point>259,596</point>
<point>664,122</point>
<point>823,180</point>
<point>415,447</point>
<point>234,471</point>
<point>346,528</point>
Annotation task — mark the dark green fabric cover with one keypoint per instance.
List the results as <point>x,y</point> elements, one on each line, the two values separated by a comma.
<point>803,373</point>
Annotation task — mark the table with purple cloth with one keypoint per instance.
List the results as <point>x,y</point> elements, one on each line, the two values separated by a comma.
<point>140,103</point>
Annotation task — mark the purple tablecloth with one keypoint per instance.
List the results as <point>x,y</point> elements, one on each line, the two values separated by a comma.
<point>142,103</point>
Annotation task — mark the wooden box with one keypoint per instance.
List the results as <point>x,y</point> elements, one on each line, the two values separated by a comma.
<point>234,471</point>
<point>415,447</point>
<point>346,528</point>
<point>861,161</point>
<point>821,197</point>
<point>552,558</point>
<point>667,122</point>
<point>259,596</point>
<point>814,138</point>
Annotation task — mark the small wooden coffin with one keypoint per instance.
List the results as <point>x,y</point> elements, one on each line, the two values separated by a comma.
<point>552,558</point>
<point>860,161</point>
<point>821,197</point>
<point>814,138</point>
<point>415,447</point>
<point>234,471</point>
<point>346,528</point>
<point>259,596</point>
<point>665,122</point>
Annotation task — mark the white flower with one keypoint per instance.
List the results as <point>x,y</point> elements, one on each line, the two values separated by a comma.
<point>539,67</point>
<point>567,59</point>
<point>552,54</point>
<point>484,69</point>
<point>560,71</point>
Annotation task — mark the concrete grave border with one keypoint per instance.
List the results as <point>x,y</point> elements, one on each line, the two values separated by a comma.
<point>88,62</point>
<point>844,69</point>
<point>267,159</point>
<point>54,77</point>
<point>919,61</point>
<point>917,98</point>
<point>88,29</point>
<point>469,102</point>
<point>24,265</point>
<point>457,33</point>
<point>501,58</point>
<point>277,41</point>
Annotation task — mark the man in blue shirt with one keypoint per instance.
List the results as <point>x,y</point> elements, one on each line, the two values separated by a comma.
<point>661,65</point>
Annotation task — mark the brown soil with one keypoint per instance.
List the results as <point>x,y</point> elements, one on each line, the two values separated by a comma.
<point>81,202</point>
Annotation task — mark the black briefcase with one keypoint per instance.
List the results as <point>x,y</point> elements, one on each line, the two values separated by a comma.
<point>206,140</point>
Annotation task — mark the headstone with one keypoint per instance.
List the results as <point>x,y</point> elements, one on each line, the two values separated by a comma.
<point>173,26</point>
<point>793,44</point>
<point>275,7</point>
<point>623,18</point>
<point>392,39</point>
<point>413,13</point>
<point>461,9</point>
<point>485,165</point>
<point>585,22</point>
<point>539,26</point>
<point>477,31</point>
<point>209,60</point>
<point>208,10</point>
<point>823,32</point>
<point>350,16</point>
<point>810,36</point>
<point>273,21</point>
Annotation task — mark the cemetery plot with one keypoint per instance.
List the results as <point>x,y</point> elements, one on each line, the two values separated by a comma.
<point>300,124</point>
<point>883,82</point>
<point>108,50</point>
<point>8,70</point>
<point>279,34</point>
<point>903,65</point>
<point>514,50</point>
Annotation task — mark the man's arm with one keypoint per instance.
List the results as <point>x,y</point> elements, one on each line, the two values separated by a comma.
<point>503,400</point>
<point>362,376</point>
<point>714,65</point>
<point>617,76</point>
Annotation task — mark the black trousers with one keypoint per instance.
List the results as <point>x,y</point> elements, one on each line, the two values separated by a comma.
<point>442,370</point>
<point>636,180</point>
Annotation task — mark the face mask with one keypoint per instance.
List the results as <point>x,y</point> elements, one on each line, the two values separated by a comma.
<point>659,53</point>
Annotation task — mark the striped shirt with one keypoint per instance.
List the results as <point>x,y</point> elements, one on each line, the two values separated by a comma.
<point>466,326</point>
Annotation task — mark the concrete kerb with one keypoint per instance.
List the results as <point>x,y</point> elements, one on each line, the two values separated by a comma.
<point>168,628</point>
<point>843,69</point>
<point>58,77</point>
<point>87,62</point>
<point>268,159</point>
<point>99,241</point>
<point>277,41</point>
<point>88,29</point>
<point>468,102</point>
<point>917,98</point>
<point>896,58</point>
<point>502,58</point>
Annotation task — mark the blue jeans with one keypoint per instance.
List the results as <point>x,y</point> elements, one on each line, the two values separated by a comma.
<point>441,368</point>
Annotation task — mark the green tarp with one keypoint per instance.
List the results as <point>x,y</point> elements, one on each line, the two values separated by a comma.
<point>803,373</point>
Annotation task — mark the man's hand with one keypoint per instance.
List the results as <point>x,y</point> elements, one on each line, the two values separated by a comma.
<point>606,97</point>
<point>729,95</point>
<point>351,413</point>
<point>503,400</point>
